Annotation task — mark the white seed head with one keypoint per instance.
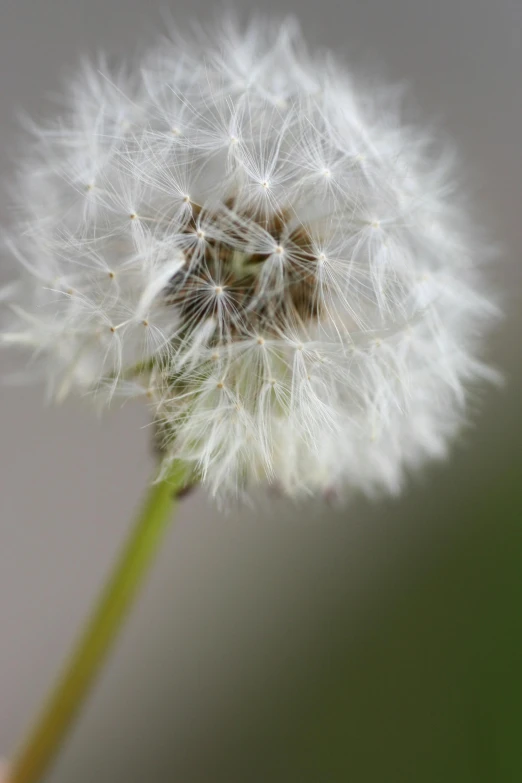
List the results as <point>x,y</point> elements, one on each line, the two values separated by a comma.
<point>304,267</point>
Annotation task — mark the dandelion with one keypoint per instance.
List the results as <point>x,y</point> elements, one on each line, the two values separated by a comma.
<point>291,239</point>
<point>265,250</point>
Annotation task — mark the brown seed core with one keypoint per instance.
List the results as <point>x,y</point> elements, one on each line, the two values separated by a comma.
<point>249,291</point>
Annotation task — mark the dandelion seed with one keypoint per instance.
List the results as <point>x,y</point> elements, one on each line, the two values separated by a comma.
<point>314,219</point>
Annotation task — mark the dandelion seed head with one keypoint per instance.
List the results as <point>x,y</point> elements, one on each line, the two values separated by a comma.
<point>307,272</point>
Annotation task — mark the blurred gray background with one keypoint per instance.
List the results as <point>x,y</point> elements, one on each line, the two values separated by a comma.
<point>377,643</point>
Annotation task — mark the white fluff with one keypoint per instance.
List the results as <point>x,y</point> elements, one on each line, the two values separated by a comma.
<point>265,249</point>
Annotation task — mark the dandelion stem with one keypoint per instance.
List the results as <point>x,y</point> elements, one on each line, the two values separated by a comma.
<point>94,645</point>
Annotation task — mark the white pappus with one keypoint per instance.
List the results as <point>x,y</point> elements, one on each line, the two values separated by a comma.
<point>263,248</point>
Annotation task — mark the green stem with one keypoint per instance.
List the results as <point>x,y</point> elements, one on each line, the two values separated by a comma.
<point>72,688</point>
